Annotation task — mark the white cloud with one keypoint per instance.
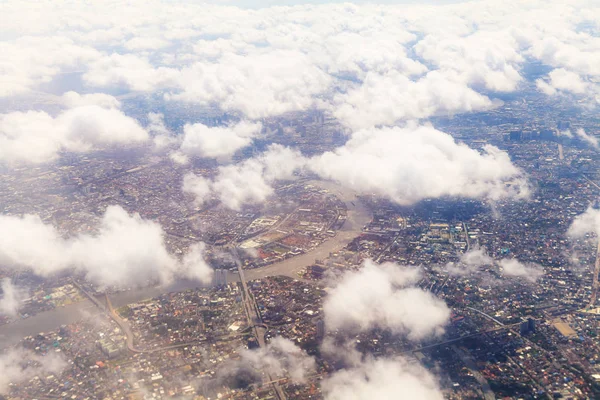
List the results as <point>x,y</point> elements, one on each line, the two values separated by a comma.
<point>382,296</point>
<point>12,298</point>
<point>488,59</point>
<point>385,99</point>
<point>197,186</point>
<point>276,59</point>
<point>562,80</point>
<point>218,142</point>
<point>30,61</point>
<point>125,251</point>
<point>257,85</point>
<point>145,43</point>
<point>248,182</point>
<point>589,139</point>
<point>74,99</point>
<point>129,71</point>
<point>20,365</point>
<point>37,137</point>
<point>412,163</point>
<point>515,268</point>
<point>382,379</point>
<point>588,222</point>
<point>470,262</point>
<point>280,358</point>
<point>241,184</point>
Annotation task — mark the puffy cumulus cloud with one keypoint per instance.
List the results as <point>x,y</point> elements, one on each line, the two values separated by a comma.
<point>485,59</point>
<point>589,139</point>
<point>130,71</point>
<point>241,184</point>
<point>125,251</point>
<point>280,358</point>
<point>30,61</point>
<point>469,262</point>
<point>514,268</point>
<point>412,163</point>
<point>74,99</point>
<point>588,222</point>
<point>382,379</point>
<point>382,296</point>
<point>198,186</point>
<point>145,43</point>
<point>257,85</point>
<point>217,142</point>
<point>562,80</point>
<point>384,99</point>
<point>248,182</point>
<point>194,265</point>
<point>37,137</point>
<point>20,365</point>
<point>12,298</point>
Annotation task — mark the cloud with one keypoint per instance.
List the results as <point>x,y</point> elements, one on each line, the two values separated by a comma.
<point>12,298</point>
<point>217,142</point>
<point>385,99</point>
<point>280,358</point>
<point>371,64</point>
<point>383,296</point>
<point>470,262</point>
<point>248,182</point>
<point>257,85</point>
<point>563,80</point>
<point>37,137</point>
<point>382,379</point>
<point>412,163</point>
<point>129,71</point>
<point>487,59</point>
<point>589,139</point>
<point>588,222</point>
<point>30,61</point>
<point>20,365</point>
<point>125,251</point>
<point>514,268</point>
<point>198,186</point>
<point>73,99</point>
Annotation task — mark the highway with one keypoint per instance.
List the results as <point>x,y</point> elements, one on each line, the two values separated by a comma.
<point>255,320</point>
<point>594,295</point>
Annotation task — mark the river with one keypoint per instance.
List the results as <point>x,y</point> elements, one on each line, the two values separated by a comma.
<point>358,216</point>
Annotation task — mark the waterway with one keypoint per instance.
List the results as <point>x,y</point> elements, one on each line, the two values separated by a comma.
<point>358,216</point>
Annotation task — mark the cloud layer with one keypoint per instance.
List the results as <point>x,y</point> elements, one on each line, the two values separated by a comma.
<point>370,64</point>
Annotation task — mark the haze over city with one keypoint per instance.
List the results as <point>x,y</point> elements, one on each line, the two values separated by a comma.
<point>299,199</point>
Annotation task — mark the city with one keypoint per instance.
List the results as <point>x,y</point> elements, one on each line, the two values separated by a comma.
<point>281,248</point>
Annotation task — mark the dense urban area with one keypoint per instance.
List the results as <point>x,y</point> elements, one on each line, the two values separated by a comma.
<point>526,333</point>
<point>308,200</point>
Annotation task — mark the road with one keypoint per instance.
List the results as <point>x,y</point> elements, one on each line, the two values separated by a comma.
<point>255,320</point>
<point>486,315</point>
<point>594,295</point>
<point>466,358</point>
